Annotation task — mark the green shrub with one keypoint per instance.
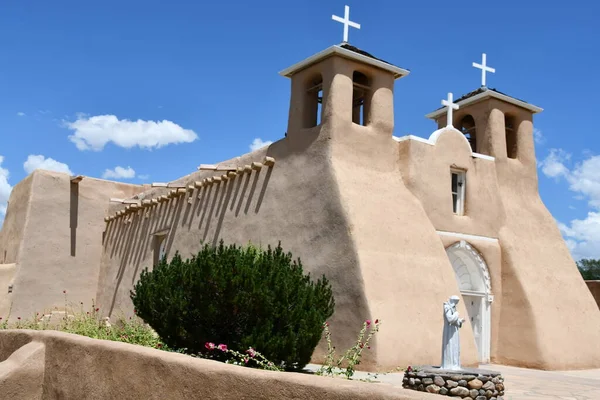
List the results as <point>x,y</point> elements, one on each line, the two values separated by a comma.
<point>240,296</point>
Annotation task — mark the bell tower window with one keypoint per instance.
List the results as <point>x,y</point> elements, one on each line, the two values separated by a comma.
<point>467,127</point>
<point>313,102</point>
<point>511,137</point>
<point>360,98</point>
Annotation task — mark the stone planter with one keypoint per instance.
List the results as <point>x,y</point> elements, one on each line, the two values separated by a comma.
<point>469,384</point>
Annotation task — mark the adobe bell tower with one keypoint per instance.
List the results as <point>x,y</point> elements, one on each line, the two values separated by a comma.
<point>339,86</point>
<point>494,123</point>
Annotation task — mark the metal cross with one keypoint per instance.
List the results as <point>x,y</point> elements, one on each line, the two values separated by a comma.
<point>451,107</point>
<point>346,21</point>
<point>484,68</point>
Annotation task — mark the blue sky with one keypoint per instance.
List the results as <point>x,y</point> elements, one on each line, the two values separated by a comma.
<point>157,88</point>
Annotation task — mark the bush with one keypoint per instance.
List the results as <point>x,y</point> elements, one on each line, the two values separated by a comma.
<point>242,296</point>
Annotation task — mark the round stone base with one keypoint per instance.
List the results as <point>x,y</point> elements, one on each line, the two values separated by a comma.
<point>467,383</point>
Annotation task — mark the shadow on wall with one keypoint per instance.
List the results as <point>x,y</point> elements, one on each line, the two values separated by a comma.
<point>73,214</point>
<point>130,238</point>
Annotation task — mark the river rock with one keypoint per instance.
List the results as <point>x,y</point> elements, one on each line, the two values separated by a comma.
<point>433,389</point>
<point>489,386</point>
<point>451,384</point>
<point>459,391</point>
<point>443,391</point>
<point>475,384</point>
<point>438,380</point>
<point>427,381</point>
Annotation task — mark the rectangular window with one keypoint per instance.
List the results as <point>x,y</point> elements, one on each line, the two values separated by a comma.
<point>458,191</point>
<point>159,247</point>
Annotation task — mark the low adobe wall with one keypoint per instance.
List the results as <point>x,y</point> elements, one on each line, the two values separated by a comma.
<point>56,365</point>
<point>594,287</point>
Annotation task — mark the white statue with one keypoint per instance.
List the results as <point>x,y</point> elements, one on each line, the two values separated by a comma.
<point>451,339</point>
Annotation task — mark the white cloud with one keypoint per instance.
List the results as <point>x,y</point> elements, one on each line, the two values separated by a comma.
<point>554,164</point>
<point>259,143</point>
<point>40,162</point>
<point>582,235</point>
<point>5,190</point>
<point>119,173</point>
<point>538,136</point>
<point>21,114</point>
<point>93,133</point>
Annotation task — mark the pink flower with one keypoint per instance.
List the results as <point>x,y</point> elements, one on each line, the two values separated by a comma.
<point>64,291</point>
<point>409,369</point>
<point>251,351</point>
<point>19,318</point>
<point>326,323</point>
<point>368,322</point>
<point>209,345</point>
<point>222,347</point>
<point>376,321</point>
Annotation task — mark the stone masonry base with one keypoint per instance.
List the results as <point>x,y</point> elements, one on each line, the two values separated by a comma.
<point>469,384</point>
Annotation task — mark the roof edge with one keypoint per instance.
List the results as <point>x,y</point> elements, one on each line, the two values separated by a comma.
<point>488,93</point>
<point>338,50</point>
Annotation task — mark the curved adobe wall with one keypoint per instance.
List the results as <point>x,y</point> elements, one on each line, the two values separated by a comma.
<point>406,272</point>
<point>11,234</point>
<point>48,365</point>
<point>61,239</point>
<point>296,202</point>
<point>540,276</point>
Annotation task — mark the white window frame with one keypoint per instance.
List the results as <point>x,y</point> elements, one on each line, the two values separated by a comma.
<point>460,190</point>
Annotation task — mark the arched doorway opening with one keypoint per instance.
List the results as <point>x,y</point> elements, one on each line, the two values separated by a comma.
<point>473,279</point>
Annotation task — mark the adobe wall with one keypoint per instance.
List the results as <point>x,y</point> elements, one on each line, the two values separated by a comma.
<point>296,202</point>
<point>61,239</point>
<point>551,319</point>
<point>533,311</point>
<point>399,252</point>
<point>379,252</point>
<point>48,365</point>
<point>11,233</point>
<point>594,287</point>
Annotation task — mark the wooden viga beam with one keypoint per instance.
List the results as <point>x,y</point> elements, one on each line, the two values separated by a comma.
<point>217,167</point>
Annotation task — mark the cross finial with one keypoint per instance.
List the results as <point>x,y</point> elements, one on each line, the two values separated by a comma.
<point>346,21</point>
<point>451,107</point>
<point>484,68</point>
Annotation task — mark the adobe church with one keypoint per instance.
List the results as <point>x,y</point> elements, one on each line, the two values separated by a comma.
<point>397,224</point>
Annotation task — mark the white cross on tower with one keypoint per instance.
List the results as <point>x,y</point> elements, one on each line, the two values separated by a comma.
<point>451,107</point>
<point>346,21</point>
<point>484,68</point>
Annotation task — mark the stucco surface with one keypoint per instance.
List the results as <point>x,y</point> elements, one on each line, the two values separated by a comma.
<point>15,221</point>
<point>58,228</point>
<point>548,319</point>
<point>55,365</point>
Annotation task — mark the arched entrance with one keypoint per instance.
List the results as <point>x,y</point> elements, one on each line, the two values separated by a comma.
<point>474,282</point>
